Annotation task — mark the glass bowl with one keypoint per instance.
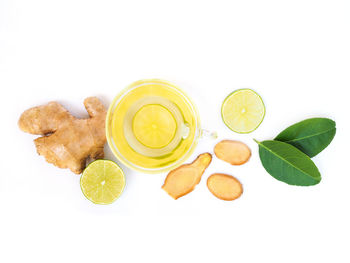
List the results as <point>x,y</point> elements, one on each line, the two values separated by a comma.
<point>119,131</point>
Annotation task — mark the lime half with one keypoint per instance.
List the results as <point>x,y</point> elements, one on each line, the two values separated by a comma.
<point>102,182</point>
<point>243,111</point>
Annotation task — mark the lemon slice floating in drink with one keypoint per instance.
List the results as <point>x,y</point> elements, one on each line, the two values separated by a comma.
<point>102,182</point>
<point>154,126</point>
<point>243,111</point>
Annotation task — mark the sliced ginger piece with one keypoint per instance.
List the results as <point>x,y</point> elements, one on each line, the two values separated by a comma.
<point>67,141</point>
<point>184,179</point>
<point>224,187</point>
<point>233,152</point>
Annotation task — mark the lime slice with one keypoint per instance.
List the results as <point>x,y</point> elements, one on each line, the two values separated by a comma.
<point>243,111</point>
<point>154,126</point>
<point>102,182</point>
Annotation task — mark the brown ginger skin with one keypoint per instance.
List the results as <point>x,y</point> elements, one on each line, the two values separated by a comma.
<point>184,179</point>
<point>67,141</point>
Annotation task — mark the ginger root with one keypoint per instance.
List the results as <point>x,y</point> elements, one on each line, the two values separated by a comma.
<point>68,142</point>
<point>184,179</point>
<point>233,152</point>
<point>224,187</point>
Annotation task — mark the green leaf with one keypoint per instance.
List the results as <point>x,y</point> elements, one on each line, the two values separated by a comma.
<point>310,136</point>
<point>288,164</point>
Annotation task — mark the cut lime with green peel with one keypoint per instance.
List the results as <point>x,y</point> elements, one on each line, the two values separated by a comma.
<point>102,182</point>
<point>243,111</point>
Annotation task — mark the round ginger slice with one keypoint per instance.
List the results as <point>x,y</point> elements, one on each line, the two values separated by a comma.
<point>233,152</point>
<point>224,187</point>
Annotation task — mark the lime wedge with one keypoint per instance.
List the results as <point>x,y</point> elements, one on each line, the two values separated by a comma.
<point>154,126</point>
<point>243,111</point>
<point>102,182</point>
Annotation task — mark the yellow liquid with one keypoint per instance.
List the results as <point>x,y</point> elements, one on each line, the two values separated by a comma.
<point>153,125</point>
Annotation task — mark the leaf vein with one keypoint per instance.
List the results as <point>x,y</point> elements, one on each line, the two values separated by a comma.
<point>309,136</point>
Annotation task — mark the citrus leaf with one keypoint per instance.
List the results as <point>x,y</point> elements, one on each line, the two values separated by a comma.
<point>310,136</point>
<point>288,164</point>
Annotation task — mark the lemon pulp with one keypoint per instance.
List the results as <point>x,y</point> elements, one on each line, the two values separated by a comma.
<point>243,111</point>
<point>102,182</point>
<point>154,126</point>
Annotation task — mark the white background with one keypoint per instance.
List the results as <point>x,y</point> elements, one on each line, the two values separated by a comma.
<point>296,54</point>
